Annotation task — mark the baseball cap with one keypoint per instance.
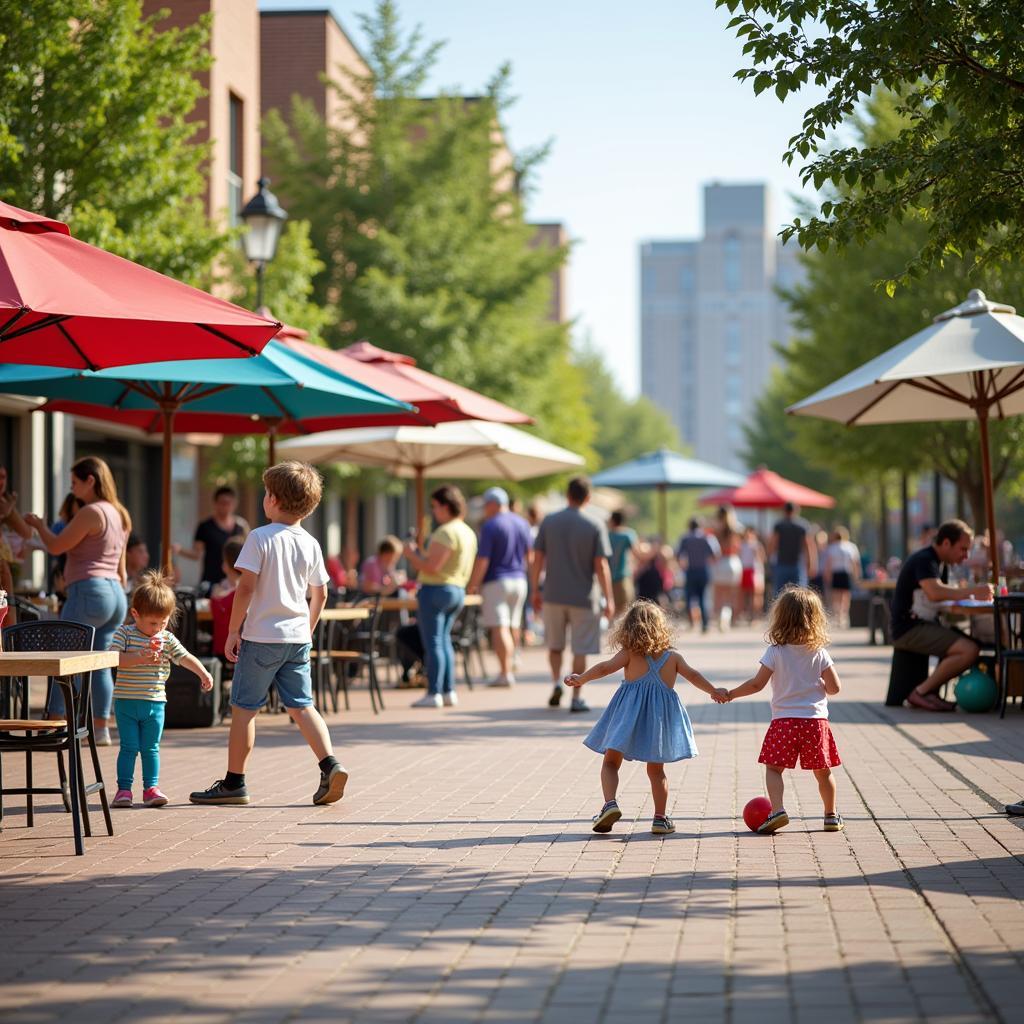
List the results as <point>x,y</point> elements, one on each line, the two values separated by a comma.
<point>496,494</point>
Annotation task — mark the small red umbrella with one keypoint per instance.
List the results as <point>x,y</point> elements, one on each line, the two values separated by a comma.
<point>69,304</point>
<point>765,489</point>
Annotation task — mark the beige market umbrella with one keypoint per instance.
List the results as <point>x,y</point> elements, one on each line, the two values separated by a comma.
<point>968,364</point>
<point>467,450</point>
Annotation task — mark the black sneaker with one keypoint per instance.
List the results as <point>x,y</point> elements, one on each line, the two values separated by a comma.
<point>332,786</point>
<point>218,793</point>
<point>556,697</point>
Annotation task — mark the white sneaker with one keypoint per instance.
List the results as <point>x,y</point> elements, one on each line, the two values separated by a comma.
<point>428,700</point>
<point>503,682</point>
<point>103,737</point>
<point>726,619</point>
<point>450,699</point>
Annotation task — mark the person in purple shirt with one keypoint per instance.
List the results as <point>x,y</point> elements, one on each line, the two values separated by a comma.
<point>500,576</point>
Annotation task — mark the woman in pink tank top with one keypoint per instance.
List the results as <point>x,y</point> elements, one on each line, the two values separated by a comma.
<point>94,542</point>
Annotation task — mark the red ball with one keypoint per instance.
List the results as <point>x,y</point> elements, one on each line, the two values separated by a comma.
<point>755,814</point>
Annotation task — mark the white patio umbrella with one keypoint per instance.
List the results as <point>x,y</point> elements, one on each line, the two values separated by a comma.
<point>969,364</point>
<point>466,450</point>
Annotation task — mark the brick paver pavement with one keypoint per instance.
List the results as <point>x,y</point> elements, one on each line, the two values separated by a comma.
<point>459,880</point>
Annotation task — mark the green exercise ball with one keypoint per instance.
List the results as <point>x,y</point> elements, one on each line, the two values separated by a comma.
<point>976,691</point>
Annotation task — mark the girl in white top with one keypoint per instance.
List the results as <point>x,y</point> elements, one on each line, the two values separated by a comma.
<point>841,570</point>
<point>803,676</point>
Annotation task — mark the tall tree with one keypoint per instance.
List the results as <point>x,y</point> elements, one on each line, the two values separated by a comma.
<point>94,129</point>
<point>419,219</point>
<point>958,68</point>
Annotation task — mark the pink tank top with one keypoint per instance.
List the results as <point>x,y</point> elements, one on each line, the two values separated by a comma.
<point>98,556</point>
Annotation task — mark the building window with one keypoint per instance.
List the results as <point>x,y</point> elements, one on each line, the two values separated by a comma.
<point>733,344</point>
<point>732,268</point>
<point>733,394</point>
<point>236,123</point>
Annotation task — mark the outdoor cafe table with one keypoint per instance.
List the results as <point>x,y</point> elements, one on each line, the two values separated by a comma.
<point>410,604</point>
<point>49,663</point>
<point>346,614</point>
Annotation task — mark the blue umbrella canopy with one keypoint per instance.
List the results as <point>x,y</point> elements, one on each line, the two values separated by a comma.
<point>665,470</point>
<point>277,387</point>
<point>668,469</point>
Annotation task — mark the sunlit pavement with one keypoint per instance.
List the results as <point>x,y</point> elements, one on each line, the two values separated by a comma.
<point>459,880</point>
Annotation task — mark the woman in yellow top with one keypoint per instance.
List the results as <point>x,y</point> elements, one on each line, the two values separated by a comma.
<point>443,572</point>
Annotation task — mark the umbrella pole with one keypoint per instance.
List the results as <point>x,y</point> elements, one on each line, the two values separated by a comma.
<point>167,411</point>
<point>271,444</point>
<point>990,511</point>
<point>421,502</point>
<point>663,513</point>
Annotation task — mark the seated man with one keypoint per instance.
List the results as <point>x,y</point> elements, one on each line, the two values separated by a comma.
<point>923,582</point>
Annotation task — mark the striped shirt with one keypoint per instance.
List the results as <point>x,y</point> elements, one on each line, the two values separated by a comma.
<point>144,682</point>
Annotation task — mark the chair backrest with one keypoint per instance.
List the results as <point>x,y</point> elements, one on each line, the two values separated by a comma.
<point>53,635</point>
<point>1009,616</point>
<point>27,611</point>
<point>186,629</point>
<point>56,635</point>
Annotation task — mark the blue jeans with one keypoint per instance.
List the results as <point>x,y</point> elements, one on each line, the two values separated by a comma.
<point>140,724</point>
<point>438,608</point>
<point>696,586</point>
<point>784,575</point>
<point>100,603</point>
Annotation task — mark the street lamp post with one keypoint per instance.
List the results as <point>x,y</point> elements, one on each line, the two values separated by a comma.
<point>264,219</point>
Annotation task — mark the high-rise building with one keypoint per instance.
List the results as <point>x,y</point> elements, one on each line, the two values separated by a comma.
<point>710,315</point>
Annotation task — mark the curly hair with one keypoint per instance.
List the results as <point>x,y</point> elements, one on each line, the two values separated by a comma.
<point>798,617</point>
<point>643,629</point>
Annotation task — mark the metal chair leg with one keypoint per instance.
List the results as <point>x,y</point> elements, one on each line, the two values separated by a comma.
<point>104,801</point>
<point>29,815</point>
<point>83,797</point>
<point>73,769</point>
<point>62,774</point>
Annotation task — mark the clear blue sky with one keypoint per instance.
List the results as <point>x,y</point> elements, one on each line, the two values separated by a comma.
<point>642,109</point>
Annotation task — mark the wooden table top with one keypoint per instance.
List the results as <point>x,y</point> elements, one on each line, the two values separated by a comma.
<point>328,614</point>
<point>55,663</point>
<point>410,604</point>
<point>877,584</point>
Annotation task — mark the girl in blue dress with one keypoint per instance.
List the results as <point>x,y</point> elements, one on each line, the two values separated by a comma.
<point>645,720</point>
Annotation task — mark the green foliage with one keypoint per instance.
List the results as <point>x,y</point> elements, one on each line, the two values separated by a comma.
<point>93,129</point>
<point>415,214</point>
<point>955,164</point>
<point>287,282</point>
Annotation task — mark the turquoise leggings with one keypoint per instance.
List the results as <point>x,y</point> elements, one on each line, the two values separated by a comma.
<point>140,724</point>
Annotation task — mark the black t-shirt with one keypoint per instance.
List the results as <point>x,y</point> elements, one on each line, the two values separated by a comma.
<point>921,565</point>
<point>791,534</point>
<point>214,539</point>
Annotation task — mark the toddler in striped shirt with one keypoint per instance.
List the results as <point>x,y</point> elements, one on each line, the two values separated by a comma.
<point>147,650</point>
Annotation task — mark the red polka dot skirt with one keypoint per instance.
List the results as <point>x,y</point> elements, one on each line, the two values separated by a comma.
<point>808,739</point>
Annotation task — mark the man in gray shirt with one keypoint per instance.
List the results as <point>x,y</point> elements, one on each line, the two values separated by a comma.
<point>792,550</point>
<point>573,549</point>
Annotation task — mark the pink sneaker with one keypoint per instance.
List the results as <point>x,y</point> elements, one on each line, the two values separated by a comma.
<point>152,797</point>
<point>122,798</point>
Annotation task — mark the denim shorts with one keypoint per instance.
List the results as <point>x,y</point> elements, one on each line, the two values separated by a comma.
<point>261,666</point>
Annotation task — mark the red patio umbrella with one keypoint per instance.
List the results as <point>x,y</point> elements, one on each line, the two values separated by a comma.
<point>765,489</point>
<point>438,400</point>
<point>69,304</point>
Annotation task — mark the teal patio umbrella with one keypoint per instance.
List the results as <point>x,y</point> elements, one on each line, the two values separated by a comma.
<point>662,471</point>
<point>276,389</point>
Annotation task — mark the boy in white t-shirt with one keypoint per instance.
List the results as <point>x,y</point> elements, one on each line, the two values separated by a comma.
<point>803,677</point>
<point>270,633</point>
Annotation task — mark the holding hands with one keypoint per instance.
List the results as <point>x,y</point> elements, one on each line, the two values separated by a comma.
<point>720,695</point>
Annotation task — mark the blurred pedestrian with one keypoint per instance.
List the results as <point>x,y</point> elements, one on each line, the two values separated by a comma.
<point>697,552</point>
<point>841,571</point>
<point>211,535</point>
<point>626,548</point>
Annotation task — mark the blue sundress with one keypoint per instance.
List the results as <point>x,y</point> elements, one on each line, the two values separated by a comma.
<point>645,721</point>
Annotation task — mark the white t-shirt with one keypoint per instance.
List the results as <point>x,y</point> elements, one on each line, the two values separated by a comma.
<point>287,561</point>
<point>797,689</point>
<point>842,556</point>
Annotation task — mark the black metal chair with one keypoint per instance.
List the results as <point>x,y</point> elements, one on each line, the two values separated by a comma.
<point>57,735</point>
<point>466,635</point>
<point>357,645</point>
<point>1009,630</point>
